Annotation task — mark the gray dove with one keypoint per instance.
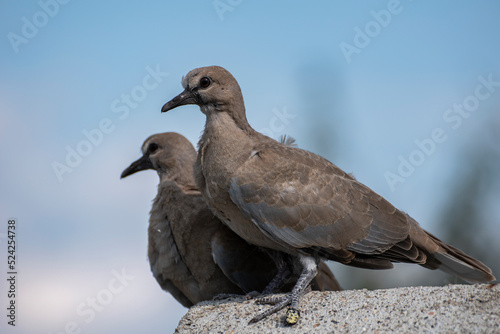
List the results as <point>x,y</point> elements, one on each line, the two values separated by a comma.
<point>294,201</point>
<point>192,254</point>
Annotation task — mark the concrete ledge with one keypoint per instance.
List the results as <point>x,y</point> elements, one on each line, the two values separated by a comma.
<point>452,308</point>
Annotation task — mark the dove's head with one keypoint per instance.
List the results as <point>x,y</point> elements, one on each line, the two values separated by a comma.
<point>169,153</point>
<point>212,88</point>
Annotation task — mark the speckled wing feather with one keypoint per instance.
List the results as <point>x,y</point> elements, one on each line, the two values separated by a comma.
<point>302,200</point>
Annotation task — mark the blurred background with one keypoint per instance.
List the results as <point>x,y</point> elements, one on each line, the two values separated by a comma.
<point>403,94</point>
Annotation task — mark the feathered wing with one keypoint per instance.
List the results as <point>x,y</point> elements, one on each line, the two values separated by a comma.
<point>303,201</point>
<point>166,263</point>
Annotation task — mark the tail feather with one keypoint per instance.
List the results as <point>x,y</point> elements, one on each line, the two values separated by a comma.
<point>455,262</point>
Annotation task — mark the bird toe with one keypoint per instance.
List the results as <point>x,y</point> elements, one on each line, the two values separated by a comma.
<point>271,300</point>
<point>279,302</point>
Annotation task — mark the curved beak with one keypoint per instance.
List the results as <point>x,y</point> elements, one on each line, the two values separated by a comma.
<point>186,97</point>
<point>142,163</point>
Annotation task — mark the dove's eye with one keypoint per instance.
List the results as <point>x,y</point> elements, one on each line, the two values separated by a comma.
<point>152,147</point>
<point>205,82</point>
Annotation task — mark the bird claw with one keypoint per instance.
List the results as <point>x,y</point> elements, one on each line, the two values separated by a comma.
<point>292,314</point>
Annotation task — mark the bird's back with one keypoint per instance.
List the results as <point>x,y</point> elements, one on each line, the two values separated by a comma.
<point>302,201</point>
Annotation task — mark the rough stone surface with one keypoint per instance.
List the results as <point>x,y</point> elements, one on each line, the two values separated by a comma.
<point>452,308</point>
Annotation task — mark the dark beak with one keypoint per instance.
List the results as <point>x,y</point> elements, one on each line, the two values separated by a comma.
<point>142,163</point>
<point>186,97</point>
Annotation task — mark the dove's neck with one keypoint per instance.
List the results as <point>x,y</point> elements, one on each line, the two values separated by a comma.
<point>183,179</point>
<point>222,149</point>
<point>178,171</point>
<point>231,112</point>
<point>223,126</point>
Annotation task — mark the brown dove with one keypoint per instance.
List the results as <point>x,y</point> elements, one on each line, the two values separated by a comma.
<point>192,254</point>
<point>294,201</point>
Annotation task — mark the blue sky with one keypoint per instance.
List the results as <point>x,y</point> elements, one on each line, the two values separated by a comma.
<point>67,69</point>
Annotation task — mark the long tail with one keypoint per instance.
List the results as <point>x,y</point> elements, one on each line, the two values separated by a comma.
<point>455,262</point>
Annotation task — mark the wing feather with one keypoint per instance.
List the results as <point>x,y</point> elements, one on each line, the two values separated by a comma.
<point>287,194</point>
